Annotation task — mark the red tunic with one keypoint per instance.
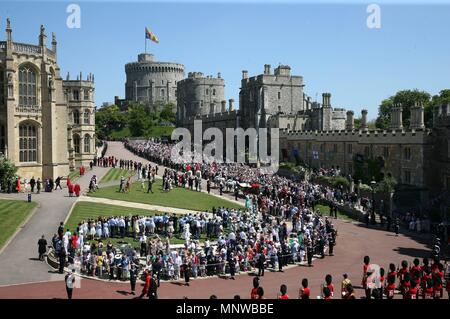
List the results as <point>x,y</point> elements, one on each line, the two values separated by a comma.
<point>305,293</point>
<point>254,293</point>
<point>284,297</point>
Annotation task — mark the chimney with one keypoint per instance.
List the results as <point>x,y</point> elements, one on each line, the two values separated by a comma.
<point>219,76</point>
<point>396,117</point>
<point>224,106</point>
<point>350,122</point>
<point>417,116</point>
<point>244,74</point>
<point>266,69</point>
<point>364,120</point>
<point>231,106</point>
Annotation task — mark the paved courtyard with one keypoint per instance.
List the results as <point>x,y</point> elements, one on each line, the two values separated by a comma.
<point>23,276</point>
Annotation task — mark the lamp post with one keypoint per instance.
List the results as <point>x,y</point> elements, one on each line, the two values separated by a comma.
<point>373,183</point>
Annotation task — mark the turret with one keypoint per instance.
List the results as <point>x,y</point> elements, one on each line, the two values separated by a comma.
<point>231,105</point>
<point>350,121</point>
<point>364,120</point>
<point>417,116</point>
<point>396,117</point>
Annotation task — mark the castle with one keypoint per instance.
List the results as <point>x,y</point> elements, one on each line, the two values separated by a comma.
<point>266,100</point>
<point>47,124</point>
<point>151,82</point>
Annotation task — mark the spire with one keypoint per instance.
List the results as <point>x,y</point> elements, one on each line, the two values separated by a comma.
<point>54,43</point>
<point>8,30</point>
<point>68,76</point>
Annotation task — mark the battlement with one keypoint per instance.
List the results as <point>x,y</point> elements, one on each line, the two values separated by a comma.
<point>79,82</point>
<point>216,116</point>
<point>340,135</point>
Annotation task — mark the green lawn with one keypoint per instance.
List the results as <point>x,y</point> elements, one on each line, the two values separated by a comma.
<point>74,174</point>
<point>325,210</point>
<point>177,197</point>
<point>86,210</point>
<point>154,131</point>
<point>115,174</point>
<point>12,214</point>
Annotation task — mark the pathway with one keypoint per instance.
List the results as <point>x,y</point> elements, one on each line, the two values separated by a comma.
<point>19,260</point>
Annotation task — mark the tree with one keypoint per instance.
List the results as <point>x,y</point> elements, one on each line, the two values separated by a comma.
<point>138,119</point>
<point>108,118</point>
<point>438,100</point>
<point>7,171</point>
<point>167,113</point>
<point>386,185</point>
<point>406,98</point>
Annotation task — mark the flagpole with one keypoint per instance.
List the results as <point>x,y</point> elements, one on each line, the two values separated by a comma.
<point>146,44</point>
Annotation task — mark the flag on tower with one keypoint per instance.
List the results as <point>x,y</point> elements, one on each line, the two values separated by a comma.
<point>150,35</point>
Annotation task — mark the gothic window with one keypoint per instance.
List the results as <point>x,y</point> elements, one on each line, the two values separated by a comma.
<point>350,148</point>
<point>2,87</point>
<point>162,81</point>
<point>76,143</point>
<point>86,117</point>
<point>162,92</point>
<point>76,117</point>
<point>214,91</point>
<point>207,91</point>
<point>407,153</point>
<point>406,177</point>
<point>2,139</point>
<point>76,95</point>
<point>87,144</point>
<point>279,95</point>
<point>27,87</point>
<point>385,152</point>
<point>27,143</point>
<point>367,151</point>
<point>86,95</point>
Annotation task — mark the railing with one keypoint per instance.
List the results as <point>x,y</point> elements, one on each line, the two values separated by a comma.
<point>26,48</point>
<point>29,109</point>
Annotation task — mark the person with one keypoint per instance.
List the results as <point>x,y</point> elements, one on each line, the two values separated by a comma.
<point>332,241</point>
<point>232,265</point>
<point>261,262</point>
<point>283,292</point>
<point>71,188</point>
<point>42,244</point>
<point>77,189</point>
<point>153,288</point>
<point>122,182</point>
<point>32,184</point>
<point>70,281</point>
<point>397,226</point>
<point>260,292</point>
<point>254,291</point>
<point>58,183</point>
<point>187,272</point>
<point>310,252</point>
<point>390,287</point>
<point>146,287</point>
<point>329,284</point>
<point>133,277</point>
<point>208,186</point>
<point>350,292</point>
<point>366,263</point>
<point>326,293</point>
<point>344,285</point>
<point>304,291</point>
<point>150,185</point>
<point>38,185</point>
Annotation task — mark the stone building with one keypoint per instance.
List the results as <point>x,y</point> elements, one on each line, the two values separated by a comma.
<point>417,157</point>
<point>267,100</point>
<point>34,113</point>
<point>79,95</point>
<point>152,82</point>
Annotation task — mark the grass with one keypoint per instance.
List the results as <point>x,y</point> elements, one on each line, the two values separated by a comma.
<point>325,210</point>
<point>115,174</point>
<point>74,174</point>
<point>154,131</point>
<point>177,197</point>
<point>12,214</point>
<point>86,210</point>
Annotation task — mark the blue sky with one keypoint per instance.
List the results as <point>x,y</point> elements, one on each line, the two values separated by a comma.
<point>328,44</point>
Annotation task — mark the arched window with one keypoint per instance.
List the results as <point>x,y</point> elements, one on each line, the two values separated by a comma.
<point>86,117</point>
<point>27,86</point>
<point>87,144</point>
<point>27,143</point>
<point>76,117</point>
<point>76,143</point>
<point>86,95</point>
<point>2,139</point>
